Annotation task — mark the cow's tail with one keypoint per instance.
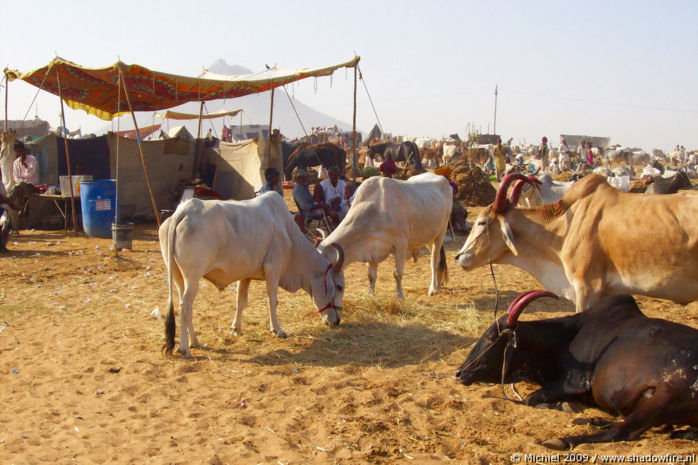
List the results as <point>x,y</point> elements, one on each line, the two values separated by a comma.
<point>170,323</point>
<point>443,266</point>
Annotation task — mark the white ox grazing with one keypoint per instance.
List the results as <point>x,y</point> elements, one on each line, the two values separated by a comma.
<point>596,241</point>
<point>227,241</point>
<point>398,217</point>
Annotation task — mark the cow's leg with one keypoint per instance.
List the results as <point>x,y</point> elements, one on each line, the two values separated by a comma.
<point>640,420</point>
<point>241,302</point>
<point>438,265</point>
<point>272,290</point>
<point>400,258</point>
<point>185,317</point>
<point>372,274</point>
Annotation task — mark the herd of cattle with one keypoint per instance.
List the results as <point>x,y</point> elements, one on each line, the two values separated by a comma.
<point>588,242</point>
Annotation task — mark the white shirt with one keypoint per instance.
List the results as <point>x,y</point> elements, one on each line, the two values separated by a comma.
<point>332,192</point>
<point>29,174</point>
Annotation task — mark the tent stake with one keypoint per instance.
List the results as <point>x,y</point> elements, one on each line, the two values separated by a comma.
<point>140,147</point>
<point>67,157</point>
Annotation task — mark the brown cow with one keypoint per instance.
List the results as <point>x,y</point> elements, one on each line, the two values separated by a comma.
<point>594,242</point>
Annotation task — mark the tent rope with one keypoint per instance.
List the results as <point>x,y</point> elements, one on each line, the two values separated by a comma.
<point>363,81</point>
<point>21,125</point>
<point>211,121</point>
<point>296,112</point>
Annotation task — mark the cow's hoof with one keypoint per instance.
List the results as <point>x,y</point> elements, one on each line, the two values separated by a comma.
<point>184,353</point>
<point>237,332</point>
<point>556,444</point>
<point>280,334</point>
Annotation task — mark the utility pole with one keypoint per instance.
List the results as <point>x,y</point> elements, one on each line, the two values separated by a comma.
<point>495,110</point>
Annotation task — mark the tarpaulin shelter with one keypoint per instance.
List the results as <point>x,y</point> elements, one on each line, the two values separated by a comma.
<point>186,116</point>
<point>574,140</point>
<point>144,132</point>
<point>98,91</point>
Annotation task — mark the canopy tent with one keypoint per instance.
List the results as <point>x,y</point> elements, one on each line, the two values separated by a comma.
<point>185,116</point>
<point>95,90</point>
<point>98,91</point>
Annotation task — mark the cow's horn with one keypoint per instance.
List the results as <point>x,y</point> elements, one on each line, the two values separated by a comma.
<point>520,303</point>
<point>340,259</point>
<point>518,188</point>
<point>500,201</point>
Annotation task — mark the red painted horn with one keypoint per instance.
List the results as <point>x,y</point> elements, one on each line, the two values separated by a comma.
<point>517,300</point>
<point>500,202</point>
<point>517,307</point>
<point>518,188</point>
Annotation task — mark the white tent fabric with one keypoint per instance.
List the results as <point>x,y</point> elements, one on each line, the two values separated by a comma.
<point>240,167</point>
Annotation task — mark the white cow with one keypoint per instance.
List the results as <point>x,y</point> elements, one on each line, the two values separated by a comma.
<point>449,151</point>
<point>389,216</point>
<point>227,241</point>
<point>548,191</point>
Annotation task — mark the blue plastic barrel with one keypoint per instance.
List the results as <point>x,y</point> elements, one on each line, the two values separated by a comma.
<point>97,199</point>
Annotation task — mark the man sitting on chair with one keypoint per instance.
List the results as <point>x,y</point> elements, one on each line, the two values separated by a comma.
<point>330,194</point>
<point>25,174</point>
<point>304,199</point>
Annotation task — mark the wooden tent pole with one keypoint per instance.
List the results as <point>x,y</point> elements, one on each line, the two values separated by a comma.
<point>240,125</point>
<point>201,112</point>
<point>7,86</point>
<point>199,146</point>
<point>271,115</point>
<point>67,157</point>
<point>117,217</point>
<point>140,147</point>
<point>353,132</point>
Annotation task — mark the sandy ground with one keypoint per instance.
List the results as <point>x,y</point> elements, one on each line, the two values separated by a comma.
<point>84,381</point>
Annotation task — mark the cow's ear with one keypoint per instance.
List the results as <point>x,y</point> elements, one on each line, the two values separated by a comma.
<point>508,235</point>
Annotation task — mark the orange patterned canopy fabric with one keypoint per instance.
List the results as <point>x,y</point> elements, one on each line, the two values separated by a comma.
<point>96,90</point>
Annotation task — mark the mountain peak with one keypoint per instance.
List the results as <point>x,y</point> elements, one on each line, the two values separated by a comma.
<point>221,67</point>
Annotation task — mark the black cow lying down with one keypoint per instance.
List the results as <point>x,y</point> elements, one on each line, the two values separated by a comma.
<point>610,355</point>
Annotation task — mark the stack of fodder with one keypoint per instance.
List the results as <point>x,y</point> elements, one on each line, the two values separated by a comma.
<point>405,173</point>
<point>474,189</point>
<point>349,171</point>
<point>565,176</point>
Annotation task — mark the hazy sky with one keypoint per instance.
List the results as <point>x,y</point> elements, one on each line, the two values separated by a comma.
<point>628,70</point>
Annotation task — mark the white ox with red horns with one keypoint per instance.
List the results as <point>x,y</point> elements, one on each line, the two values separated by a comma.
<point>227,241</point>
<point>595,241</point>
<point>396,217</point>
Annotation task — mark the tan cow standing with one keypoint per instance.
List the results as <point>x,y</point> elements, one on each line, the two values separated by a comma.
<point>594,242</point>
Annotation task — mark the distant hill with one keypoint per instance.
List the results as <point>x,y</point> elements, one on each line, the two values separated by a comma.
<point>255,110</point>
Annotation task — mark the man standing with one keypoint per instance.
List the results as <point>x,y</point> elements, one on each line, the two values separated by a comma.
<point>564,156</point>
<point>581,152</point>
<point>499,159</point>
<point>544,152</point>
